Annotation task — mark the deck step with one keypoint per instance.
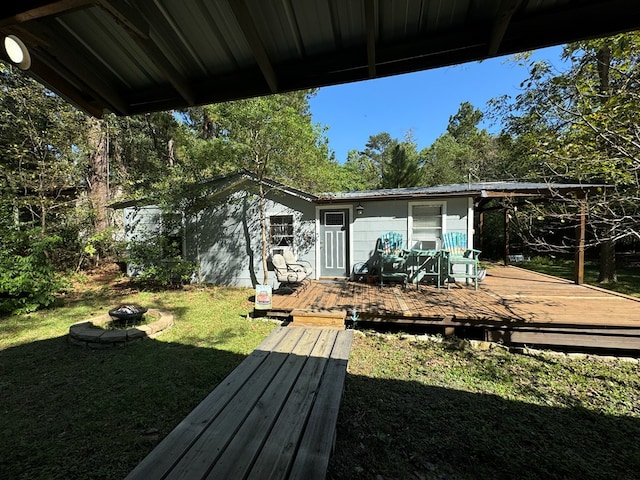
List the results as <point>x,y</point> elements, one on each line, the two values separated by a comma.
<point>319,318</point>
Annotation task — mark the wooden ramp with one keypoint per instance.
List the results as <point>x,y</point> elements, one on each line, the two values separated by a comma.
<point>274,416</point>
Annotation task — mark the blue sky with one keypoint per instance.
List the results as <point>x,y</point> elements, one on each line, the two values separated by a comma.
<point>421,102</point>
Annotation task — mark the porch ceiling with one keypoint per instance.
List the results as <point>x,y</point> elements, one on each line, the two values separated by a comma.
<point>133,56</point>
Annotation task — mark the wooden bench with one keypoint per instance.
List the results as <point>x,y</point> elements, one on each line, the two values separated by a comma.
<point>274,416</point>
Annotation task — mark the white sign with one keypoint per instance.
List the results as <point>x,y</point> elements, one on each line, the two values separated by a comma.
<point>263,297</point>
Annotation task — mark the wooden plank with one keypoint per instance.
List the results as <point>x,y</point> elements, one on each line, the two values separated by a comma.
<point>249,439</point>
<point>333,313</point>
<point>313,453</point>
<point>278,453</point>
<point>208,446</point>
<point>580,340</point>
<point>174,446</point>
<point>401,302</point>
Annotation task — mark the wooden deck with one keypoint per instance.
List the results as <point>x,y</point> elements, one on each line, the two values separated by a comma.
<point>274,416</point>
<point>513,305</point>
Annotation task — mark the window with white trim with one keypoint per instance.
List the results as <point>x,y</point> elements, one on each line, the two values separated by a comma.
<point>281,232</point>
<point>426,225</point>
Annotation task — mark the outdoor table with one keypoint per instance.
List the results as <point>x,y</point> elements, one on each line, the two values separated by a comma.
<point>426,263</point>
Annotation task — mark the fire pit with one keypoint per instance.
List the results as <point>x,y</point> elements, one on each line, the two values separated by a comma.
<point>127,314</point>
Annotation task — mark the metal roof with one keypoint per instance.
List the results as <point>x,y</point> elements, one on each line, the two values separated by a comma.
<point>480,189</point>
<point>133,56</point>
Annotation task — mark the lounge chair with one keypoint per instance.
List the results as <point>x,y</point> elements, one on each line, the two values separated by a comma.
<point>289,279</point>
<point>295,264</point>
<point>457,253</point>
<point>390,259</point>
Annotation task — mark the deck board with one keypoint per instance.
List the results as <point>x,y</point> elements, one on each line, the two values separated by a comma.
<point>252,424</point>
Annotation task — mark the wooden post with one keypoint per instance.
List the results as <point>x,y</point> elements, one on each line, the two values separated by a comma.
<point>578,272</point>
<point>481,229</point>
<point>506,236</point>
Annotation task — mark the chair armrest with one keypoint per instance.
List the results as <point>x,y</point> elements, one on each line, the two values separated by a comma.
<point>303,263</point>
<point>295,267</point>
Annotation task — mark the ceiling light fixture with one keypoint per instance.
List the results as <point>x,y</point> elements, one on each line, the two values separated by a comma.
<point>17,52</point>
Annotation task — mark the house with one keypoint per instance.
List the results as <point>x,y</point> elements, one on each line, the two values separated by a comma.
<point>220,228</point>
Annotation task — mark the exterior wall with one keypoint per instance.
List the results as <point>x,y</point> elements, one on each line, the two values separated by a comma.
<point>385,216</point>
<point>141,223</point>
<point>224,239</point>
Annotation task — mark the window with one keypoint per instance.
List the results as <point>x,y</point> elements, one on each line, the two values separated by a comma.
<point>281,231</point>
<point>426,224</point>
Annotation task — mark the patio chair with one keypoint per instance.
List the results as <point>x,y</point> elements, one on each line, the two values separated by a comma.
<point>295,264</point>
<point>289,279</point>
<point>390,259</point>
<point>454,245</point>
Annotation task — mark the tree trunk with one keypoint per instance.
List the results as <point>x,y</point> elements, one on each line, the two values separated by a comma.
<point>98,175</point>
<point>263,234</point>
<point>607,272</point>
<point>607,268</point>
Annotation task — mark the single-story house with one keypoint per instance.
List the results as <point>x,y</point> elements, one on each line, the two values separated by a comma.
<point>220,231</point>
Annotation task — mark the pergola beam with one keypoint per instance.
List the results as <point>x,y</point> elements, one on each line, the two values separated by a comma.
<point>501,24</point>
<point>41,11</point>
<point>370,25</point>
<point>248,27</point>
<point>138,29</point>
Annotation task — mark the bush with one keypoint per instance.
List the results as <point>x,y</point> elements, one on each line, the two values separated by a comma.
<point>28,279</point>
<point>156,262</point>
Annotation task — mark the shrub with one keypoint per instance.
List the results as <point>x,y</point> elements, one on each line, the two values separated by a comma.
<point>156,262</point>
<point>28,279</point>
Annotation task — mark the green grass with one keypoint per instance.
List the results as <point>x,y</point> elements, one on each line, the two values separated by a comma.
<point>72,413</point>
<point>436,410</point>
<point>628,275</point>
<point>410,409</point>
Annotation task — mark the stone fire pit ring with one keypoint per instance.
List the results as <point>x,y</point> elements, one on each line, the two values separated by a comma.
<point>91,333</point>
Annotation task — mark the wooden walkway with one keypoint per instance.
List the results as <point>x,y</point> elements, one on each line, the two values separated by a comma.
<point>513,305</point>
<point>273,417</point>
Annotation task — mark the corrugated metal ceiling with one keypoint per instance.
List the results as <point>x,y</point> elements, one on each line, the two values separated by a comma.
<point>130,56</point>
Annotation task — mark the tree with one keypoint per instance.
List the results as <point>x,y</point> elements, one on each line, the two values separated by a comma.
<point>402,169</point>
<point>358,173</point>
<point>466,152</point>
<point>40,163</point>
<point>581,125</point>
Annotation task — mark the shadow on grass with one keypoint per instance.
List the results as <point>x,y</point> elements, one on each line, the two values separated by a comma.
<point>73,413</point>
<point>404,429</point>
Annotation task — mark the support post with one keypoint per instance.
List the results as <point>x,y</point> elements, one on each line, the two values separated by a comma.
<point>481,230</point>
<point>578,273</point>
<point>507,216</point>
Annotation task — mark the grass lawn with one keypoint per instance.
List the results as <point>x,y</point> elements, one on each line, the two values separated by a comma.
<point>411,409</point>
<point>73,413</point>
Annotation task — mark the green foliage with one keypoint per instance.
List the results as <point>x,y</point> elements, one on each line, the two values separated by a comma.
<point>385,162</point>
<point>28,279</point>
<point>270,136</point>
<point>467,153</point>
<point>157,262</point>
<point>40,166</point>
<point>402,169</point>
<point>102,245</point>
